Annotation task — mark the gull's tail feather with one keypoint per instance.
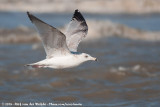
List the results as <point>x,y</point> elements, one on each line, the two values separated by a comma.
<point>35,65</point>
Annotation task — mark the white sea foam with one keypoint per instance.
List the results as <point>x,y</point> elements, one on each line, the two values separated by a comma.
<point>97,30</point>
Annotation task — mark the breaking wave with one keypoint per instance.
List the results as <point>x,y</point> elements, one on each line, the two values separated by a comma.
<point>97,30</point>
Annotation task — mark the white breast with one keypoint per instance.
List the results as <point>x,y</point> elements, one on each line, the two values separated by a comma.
<point>62,62</point>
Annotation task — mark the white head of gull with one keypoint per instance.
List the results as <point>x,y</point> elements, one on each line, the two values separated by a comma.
<point>61,49</point>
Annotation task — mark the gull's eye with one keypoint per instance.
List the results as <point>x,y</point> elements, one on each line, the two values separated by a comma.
<point>86,56</point>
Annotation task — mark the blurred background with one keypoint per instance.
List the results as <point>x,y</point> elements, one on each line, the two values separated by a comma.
<point>123,34</point>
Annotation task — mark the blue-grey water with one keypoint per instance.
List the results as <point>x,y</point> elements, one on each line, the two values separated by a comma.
<point>145,22</point>
<point>126,75</point>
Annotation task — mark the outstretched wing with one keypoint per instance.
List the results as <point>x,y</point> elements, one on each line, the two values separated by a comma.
<point>76,31</point>
<point>53,40</point>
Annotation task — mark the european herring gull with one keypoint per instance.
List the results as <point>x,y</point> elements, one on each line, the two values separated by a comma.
<point>61,49</point>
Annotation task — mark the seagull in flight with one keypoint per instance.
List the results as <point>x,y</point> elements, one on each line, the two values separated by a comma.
<point>61,48</point>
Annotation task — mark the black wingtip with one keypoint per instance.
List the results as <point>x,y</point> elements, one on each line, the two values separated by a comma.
<point>77,15</point>
<point>29,15</point>
<point>76,10</point>
<point>27,12</point>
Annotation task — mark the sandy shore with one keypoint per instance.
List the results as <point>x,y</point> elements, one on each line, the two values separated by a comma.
<point>88,6</point>
<point>97,30</point>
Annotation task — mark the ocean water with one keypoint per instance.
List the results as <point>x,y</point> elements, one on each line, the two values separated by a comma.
<point>149,22</point>
<point>127,73</point>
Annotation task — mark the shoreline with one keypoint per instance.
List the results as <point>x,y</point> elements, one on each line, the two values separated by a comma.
<point>86,6</point>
